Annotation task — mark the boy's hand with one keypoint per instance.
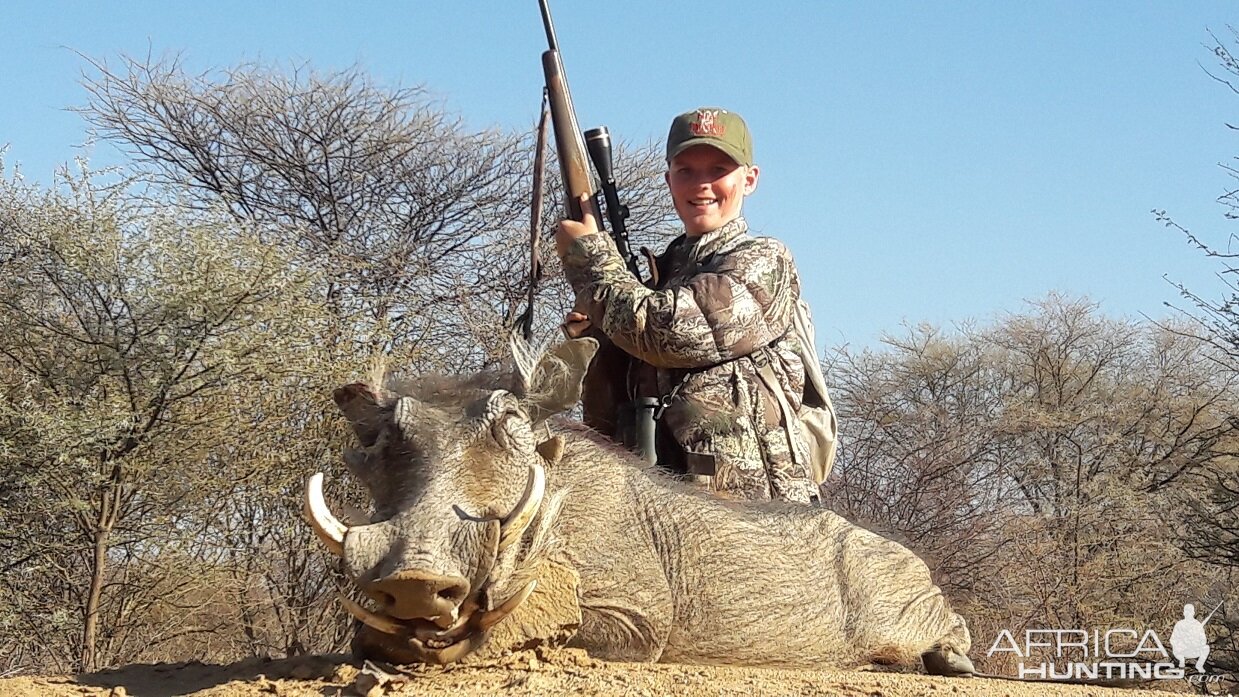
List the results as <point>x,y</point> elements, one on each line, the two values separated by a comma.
<point>570,230</point>
<point>575,325</point>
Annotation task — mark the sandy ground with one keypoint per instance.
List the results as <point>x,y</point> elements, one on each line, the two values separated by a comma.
<point>540,672</point>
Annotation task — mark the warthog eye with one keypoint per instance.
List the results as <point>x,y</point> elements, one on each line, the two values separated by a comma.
<point>499,428</point>
<point>502,428</point>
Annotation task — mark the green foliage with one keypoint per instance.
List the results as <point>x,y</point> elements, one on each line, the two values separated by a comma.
<point>123,330</point>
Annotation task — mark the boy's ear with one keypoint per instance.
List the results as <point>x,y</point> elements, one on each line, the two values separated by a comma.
<point>750,179</point>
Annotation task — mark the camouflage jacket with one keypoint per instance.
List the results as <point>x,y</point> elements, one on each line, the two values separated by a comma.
<point>723,303</point>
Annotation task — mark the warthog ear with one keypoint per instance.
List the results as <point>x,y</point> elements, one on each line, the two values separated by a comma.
<point>556,384</point>
<point>361,407</point>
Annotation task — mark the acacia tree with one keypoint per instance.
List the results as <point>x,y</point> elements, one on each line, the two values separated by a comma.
<point>918,459</point>
<point>120,326</point>
<point>1042,464</point>
<point>1219,317</point>
<point>420,224</point>
<point>1210,530</point>
<point>278,584</point>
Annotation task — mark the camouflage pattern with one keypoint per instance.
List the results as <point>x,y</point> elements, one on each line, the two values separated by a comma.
<point>724,302</point>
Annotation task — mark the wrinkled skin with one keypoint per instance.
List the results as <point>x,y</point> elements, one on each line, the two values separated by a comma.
<point>660,571</point>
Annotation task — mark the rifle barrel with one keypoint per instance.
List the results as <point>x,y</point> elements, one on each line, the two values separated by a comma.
<point>548,25</point>
<point>1215,609</point>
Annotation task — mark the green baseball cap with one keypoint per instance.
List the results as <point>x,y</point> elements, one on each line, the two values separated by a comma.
<point>711,126</point>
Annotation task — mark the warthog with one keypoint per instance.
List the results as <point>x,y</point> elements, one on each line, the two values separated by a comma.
<point>479,498</point>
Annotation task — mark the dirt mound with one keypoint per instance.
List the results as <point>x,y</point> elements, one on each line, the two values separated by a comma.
<point>541,672</point>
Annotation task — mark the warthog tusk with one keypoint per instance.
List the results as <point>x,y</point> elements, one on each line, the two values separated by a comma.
<point>370,619</point>
<point>328,529</point>
<point>513,526</point>
<point>455,652</point>
<point>494,617</point>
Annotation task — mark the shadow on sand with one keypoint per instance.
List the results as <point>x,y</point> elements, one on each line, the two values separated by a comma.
<point>170,679</point>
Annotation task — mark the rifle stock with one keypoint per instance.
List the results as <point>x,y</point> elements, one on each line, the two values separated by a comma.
<point>569,144</point>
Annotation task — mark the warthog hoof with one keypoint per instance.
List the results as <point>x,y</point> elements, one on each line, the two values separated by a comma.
<point>948,663</point>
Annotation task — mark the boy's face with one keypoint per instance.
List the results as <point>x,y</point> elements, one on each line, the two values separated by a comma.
<point>708,188</point>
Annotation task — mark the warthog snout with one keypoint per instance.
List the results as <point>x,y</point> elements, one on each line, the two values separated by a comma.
<point>413,594</point>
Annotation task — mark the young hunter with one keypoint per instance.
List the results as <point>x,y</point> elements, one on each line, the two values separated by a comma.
<point>722,307</point>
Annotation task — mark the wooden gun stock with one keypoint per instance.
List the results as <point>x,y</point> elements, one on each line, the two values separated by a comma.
<point>569,144</point>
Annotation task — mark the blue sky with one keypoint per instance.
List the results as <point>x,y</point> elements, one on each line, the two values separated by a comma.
<point>925,161</point>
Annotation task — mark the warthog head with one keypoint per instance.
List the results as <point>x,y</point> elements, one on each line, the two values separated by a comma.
<point>456,471</point>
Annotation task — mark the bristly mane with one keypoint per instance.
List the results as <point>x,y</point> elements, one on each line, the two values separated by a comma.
<point>518,378</point>
<point>447,389</point>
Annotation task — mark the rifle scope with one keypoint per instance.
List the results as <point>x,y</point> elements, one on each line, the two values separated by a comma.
<point>598,142</point>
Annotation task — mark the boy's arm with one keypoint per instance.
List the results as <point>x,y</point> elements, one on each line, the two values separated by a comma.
<point>742,305</point>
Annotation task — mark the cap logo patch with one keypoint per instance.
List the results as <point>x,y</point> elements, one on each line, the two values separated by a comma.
<point>707,124</point>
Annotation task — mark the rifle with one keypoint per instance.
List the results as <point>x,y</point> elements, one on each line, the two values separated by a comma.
<point>608,401</point>
<point>1215,609</point>
<point>572,149</point>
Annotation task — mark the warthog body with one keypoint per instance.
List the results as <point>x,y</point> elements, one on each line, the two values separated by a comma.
<point>659,571</point>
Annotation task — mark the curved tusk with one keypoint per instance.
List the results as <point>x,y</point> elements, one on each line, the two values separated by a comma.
<point>370,619</point>
<point>514,525</point>
<point>494,617</point>
<point>456,651</point>
<point>325,525</point>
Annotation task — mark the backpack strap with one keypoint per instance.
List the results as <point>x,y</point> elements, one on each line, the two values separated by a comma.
<point>766,373</point>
